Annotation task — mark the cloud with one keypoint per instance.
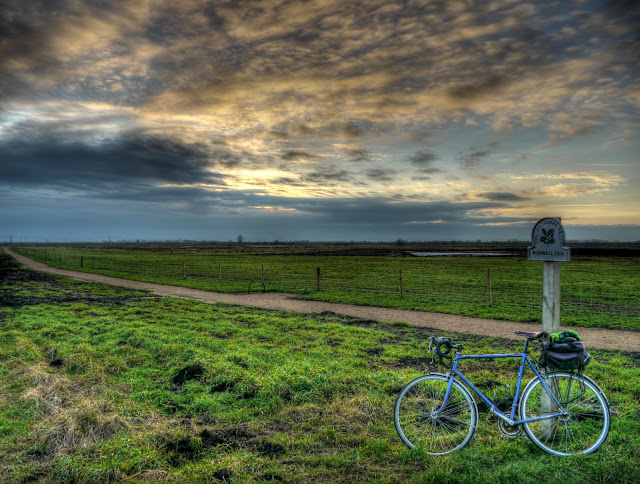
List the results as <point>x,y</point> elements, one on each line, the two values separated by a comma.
<point>571,127</point>
<point>352,130</point>
<point>358,154</point>
<point>570,185</point>
<point>83,163</point>
<point>463,93</point>
<point>471,160</point>
<point>328,176</point>
<point>296,155</point>
<point>501,196</point>
<point>332,67</point>
<point>381,175</point>
<point>423,158</point>
<point>148,97</point>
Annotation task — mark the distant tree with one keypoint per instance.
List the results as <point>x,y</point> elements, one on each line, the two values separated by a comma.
<point>240,239</point>
<point>400,242</point>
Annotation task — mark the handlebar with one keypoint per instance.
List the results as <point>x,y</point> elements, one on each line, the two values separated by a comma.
<point>443,347</point>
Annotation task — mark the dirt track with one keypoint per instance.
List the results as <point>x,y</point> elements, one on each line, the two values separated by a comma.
<point>594,338</point>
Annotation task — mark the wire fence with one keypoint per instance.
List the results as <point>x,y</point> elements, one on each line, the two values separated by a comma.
<point>410,284</point>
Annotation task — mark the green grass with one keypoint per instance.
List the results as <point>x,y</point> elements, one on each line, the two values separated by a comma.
<point>91,390</point>
<point>596,291</point>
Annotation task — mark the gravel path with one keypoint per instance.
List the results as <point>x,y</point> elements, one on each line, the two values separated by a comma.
<point>594,338</point>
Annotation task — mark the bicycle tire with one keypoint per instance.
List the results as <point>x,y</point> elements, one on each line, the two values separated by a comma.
<point>439,433</point>
<point>584,427</point>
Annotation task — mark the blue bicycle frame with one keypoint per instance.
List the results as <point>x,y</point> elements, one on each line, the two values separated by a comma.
<point>511,420</point>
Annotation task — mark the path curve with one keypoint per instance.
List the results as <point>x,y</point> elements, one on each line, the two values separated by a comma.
<point>593,337</point>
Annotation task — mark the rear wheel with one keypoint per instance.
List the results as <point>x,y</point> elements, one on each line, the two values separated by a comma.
<point>584,420</point>
<point>422,420</point>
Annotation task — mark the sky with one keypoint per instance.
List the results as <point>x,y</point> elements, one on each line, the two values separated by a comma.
<point>322,120</point>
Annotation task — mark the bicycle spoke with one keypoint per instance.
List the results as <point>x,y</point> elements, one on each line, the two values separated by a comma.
<point>583,425</point>
<point>421,419</point>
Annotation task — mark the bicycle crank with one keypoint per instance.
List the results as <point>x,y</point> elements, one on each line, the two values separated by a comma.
<point>509,431</point>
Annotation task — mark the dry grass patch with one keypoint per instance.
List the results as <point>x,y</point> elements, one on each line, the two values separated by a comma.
<point>71,414</point>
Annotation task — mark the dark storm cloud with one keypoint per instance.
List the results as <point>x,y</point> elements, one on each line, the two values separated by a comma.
<point>133,157</point>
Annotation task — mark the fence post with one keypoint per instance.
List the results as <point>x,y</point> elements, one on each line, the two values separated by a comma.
<point>401,288</point>
<point>489,286</point>
<point>132,265</point>
<point>184,270</point>
<point>262,278</point>
<point>93,262</point>
<point>317,278</point>
<point>156,268</point>
<point>81,261</point>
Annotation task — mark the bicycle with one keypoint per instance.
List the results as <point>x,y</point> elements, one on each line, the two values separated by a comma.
<point>561,412</point>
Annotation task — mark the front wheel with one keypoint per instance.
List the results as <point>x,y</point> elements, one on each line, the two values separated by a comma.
<point>424,420</point>
<point>584,420</point>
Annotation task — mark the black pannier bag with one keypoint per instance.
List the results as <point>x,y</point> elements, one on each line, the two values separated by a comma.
<point>570,355</point>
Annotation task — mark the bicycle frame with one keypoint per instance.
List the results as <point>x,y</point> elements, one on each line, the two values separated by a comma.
<point>511,420</point>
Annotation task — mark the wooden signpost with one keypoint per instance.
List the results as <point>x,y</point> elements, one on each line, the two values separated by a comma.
<point>548,246</point>
<point>548,241</point>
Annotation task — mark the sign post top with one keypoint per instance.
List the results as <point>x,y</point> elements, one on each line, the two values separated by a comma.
<point>548,241</point>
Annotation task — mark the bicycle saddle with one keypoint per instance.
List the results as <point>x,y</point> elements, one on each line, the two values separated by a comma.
<point>531,335</point>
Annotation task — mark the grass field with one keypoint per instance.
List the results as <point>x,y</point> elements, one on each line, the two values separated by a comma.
<point>596,291</point>
<point>99,384</point>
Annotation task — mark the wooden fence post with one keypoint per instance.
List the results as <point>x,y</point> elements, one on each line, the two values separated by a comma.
<point>489,286</point>
<point>156,268</point>
<point>132,265</point>
<point>317,278</point>
<point>81,261</point>
<point>219,272</point>
<point>184,270</point>
<point>262,278</point>
<point>401,288</point>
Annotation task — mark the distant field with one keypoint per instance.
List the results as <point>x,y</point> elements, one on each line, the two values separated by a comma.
<point>101,384</point>
<point>596,291</point>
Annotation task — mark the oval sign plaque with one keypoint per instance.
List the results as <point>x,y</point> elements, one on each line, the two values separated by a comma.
<point>548,241</point>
